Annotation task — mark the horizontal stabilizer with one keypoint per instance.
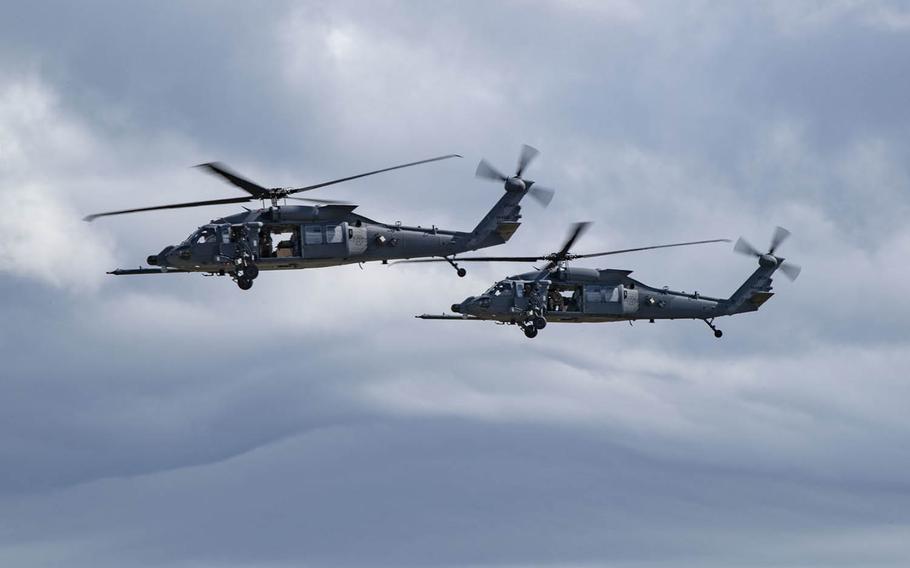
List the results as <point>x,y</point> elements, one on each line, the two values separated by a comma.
<point>506,229</point>
<point>759,298</point>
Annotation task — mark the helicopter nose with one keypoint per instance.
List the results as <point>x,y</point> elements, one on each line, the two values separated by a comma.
<point>456,308</point>
<point>162,258</point>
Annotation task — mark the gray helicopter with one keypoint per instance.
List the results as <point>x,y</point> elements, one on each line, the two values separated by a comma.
<point>558,293</point>
<point>328,233</point>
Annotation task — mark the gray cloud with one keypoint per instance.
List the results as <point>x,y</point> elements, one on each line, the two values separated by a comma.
<point>178,422</point>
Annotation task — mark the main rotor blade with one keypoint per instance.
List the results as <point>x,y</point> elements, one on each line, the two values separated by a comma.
<point>233,178</point>
<point>475,259</point>
<point>543,195</point>
<point>780,235</point>
<point>487,171</point>
<point>528,153</point>
<point>790,270</point>
<point>578,229</point>
<point>621,251</point>
<point>171,206</point>
<point>745,247</point>
<point>320,201</point>
<point>374,172</point>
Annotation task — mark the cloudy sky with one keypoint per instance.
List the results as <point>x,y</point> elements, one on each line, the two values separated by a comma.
<point>177,421</point>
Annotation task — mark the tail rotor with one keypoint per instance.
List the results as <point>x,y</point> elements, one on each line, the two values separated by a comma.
<point>768,259</point>
<point>516,182</point>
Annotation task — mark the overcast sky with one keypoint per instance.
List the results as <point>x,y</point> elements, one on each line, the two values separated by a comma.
<point>177,421</point>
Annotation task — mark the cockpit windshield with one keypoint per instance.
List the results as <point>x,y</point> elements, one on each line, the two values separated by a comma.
<point>201,235</point>
<point>503,288</point>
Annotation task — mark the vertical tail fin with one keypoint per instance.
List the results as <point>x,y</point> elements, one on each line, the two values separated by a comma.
<point>500,223</point>
<point>754,292</point>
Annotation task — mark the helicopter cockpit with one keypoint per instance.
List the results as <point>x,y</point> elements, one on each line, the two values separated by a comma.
<point>202,235</point>
<point>502,288</point>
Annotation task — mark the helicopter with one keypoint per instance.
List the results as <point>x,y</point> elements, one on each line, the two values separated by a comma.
<point>563,294</point>
<point>328,233</point>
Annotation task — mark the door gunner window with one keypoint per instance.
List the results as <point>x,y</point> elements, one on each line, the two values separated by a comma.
<point>313,234</point>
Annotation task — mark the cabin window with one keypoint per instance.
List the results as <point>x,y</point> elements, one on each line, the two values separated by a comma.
<point>334,234</point>
<point>594,294</point>
<point>313,235</point>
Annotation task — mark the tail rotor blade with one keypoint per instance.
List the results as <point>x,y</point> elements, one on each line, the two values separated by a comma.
<point>743,246</point>
<point>528,153</point>
<point>790,270</point>
<point>543,195</point>
<point>780,235</point>
<point>486,171</point>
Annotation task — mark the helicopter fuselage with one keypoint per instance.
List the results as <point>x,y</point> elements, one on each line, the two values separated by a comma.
<point>585,295</point>
<point>296,237</point>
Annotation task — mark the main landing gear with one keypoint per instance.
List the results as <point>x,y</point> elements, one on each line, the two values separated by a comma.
<point>533,325</point>
<point>710,323</point>
<point>461,272</point>
<point>245,275</point>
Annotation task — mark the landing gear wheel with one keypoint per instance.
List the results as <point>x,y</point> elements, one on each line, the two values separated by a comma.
<point>251,271</point>
<point>539,322</point>
<point>710,323</point>
<point>530,332</point>
<point>245,282</point>
<point>461,272</point>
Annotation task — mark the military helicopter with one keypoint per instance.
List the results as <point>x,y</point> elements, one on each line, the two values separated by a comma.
<point>328,233</point>
<point>558,293</point>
